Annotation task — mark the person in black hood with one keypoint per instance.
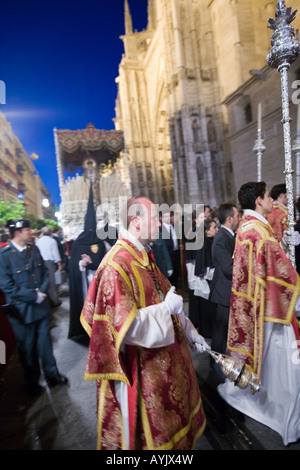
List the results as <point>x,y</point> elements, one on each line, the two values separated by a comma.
<point>86,255</point>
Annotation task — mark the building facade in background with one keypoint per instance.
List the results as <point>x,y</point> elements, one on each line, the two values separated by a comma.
<point>19,178</point>
<point>242,106</point>
<point>179,80</point>
<point>189,86</point>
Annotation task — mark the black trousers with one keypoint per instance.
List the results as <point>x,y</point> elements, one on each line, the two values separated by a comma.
<point>175,259</point>
<point>202,314</point>
<point>220,329</point>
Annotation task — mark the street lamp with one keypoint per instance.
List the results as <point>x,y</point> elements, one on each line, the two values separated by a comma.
<point>45,203</point>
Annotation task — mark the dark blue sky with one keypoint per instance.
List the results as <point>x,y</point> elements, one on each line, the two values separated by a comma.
<point>59,60</point>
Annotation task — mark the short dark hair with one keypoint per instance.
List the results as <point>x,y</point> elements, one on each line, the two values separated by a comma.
<point>277,190</point>
<point>207,223</point>
<point>249,192</point>
<point>224,211</point>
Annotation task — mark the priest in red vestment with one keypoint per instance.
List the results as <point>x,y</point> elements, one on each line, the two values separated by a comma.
<point>278,217</point>
<point>263,330</point>
<point>147,392</point>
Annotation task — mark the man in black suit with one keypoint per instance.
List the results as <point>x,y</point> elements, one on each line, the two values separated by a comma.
<point>222,255</point>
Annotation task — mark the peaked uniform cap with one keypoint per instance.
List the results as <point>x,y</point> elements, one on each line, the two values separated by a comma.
<point>18,223</point>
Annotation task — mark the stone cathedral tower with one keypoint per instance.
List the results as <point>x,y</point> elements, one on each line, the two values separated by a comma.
<point>173,79</point>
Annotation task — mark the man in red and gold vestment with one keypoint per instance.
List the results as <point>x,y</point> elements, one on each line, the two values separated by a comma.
<point>263,330</point>
<point>278,217</point>
<point>147,392</point>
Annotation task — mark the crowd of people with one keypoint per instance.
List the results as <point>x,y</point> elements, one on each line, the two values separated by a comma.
<point>254,303</point>
<point>126,297</point>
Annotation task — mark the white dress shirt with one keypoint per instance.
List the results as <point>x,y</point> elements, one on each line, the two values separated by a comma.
<point>170,229</point>
<point>19,247</point>
<point>48,248</point>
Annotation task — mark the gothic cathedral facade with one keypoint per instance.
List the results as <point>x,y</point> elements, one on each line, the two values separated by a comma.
<point>173,79</point>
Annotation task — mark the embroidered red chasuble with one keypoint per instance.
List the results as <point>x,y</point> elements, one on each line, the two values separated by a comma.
<point>165,406</point>
<point>278,219</point>
<point>265,287</point>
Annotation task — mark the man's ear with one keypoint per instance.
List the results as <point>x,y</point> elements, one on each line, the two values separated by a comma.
<point>135,221</point>
<point>258,201</point>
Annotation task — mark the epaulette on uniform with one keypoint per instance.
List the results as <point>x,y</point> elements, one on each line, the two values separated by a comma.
<point>5,248</point>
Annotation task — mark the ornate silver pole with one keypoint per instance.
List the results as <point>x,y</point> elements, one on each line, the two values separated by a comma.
<point>59,167</point>
<point>283,52</point>
<point>259,147</point>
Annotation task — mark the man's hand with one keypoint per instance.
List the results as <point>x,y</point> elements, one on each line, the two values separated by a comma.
<point>40,297</point>
<point>174,301</point>
<point>85,260</point>
<point>201,345</point>
<point>195,341</point>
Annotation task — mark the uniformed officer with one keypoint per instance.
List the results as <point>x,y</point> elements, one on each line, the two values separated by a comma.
<point>24,279</point>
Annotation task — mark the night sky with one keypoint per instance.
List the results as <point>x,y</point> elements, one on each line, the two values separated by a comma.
<point>59,60</point>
